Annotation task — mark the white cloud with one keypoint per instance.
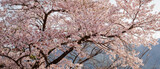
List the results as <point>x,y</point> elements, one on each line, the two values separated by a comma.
<point>156,9</point>
<point>156,35</point>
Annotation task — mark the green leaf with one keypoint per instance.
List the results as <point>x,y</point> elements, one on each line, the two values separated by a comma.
<point>32,57</point>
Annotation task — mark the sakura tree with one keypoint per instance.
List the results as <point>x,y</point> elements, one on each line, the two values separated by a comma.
<point>31,30</point>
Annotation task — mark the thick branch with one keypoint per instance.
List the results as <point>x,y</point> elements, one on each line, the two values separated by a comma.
<point>75,58</point>
<point>90,57</point>
<point>11,59</point>
<point>51,50</point>
<point>61,57</point>
<point>45,57</point>
<point>36,65</point>
<point>46,16</point>
<point>21,57</point>
<point>85,38</point>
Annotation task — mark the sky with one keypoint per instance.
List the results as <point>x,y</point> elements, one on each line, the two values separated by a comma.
<point>154,52</point>
<point>156,9</point>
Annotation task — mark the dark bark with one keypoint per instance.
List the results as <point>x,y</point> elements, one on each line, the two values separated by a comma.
<point>61,57</point>
<point>12,60</point>
<point>46,16</point>
<point>90,56</point>
<point>51,50</point>
<point>45,57</point>
<point>83,39</point>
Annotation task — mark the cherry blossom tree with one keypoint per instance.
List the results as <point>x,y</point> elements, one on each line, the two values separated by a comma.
<point>104,63</point>
<point>31,30</point>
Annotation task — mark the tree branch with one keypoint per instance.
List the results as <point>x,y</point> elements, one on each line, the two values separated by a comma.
<point>60,57</point>
<point>90,56</point>
<point>45,57</point>
<point>46,16</point>
<point>11,59</point>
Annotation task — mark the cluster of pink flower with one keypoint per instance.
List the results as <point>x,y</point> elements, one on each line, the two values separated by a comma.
<point>31,30</point>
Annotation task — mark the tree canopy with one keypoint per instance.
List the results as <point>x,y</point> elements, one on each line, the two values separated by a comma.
<point>31,30</point>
